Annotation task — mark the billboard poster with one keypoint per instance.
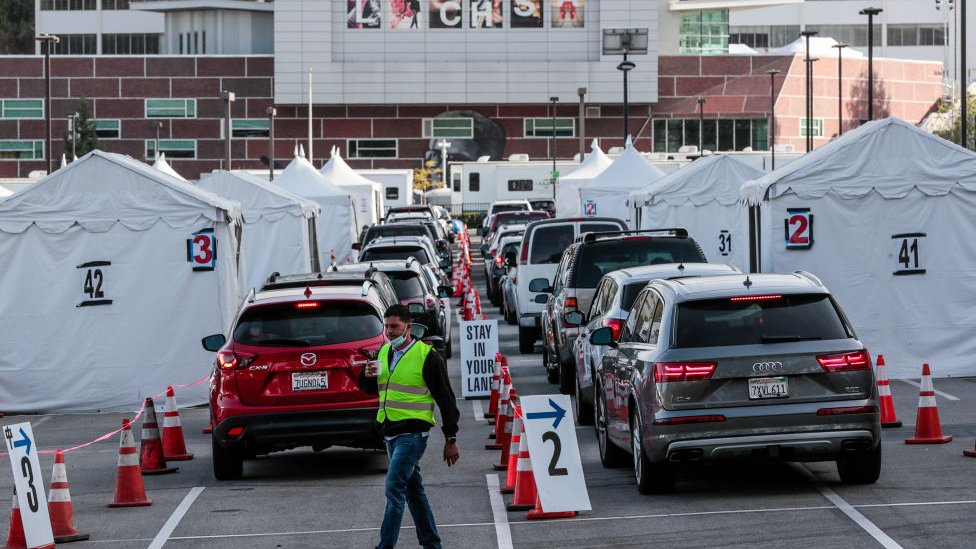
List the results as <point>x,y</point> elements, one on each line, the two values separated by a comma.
<point>404,14</point>
<point>445,14</point>
<point>526,14</point>
<point>363,14</point>
<point>485,14</point>
<point>567,14</point>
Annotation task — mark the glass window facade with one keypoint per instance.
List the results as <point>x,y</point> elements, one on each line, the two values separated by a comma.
<point>130,44</point>
<point>171,108</point>
<point>372,148</point>
<point>75,44</point>
<point>21,108</point>
<point>817,127</point>
<point>108,129</point>
<point>704,32</point>
<point>67,5</point>
<point>669,135</point>
<point>854,35</point>
<point>542,127</point>
<point>172,148</point>
<point>21,150</point>
<point>916,35</point>
<point>461,128</point>
<point>250,127</point>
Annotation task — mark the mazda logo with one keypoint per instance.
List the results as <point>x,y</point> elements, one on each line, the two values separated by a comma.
<point>309,359</point>
<point>767,367</point>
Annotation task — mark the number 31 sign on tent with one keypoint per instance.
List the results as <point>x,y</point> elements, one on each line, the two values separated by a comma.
<point>479,345</point>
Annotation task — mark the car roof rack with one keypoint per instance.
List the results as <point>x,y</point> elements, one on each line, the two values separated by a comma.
<point>671,231</point>
<point>331,278</point>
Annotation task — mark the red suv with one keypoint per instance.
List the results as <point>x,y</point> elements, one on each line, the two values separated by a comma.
<point>287,376</point>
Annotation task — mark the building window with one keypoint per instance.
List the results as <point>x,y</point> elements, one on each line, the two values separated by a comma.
<point>542,127</point>
<point>108,129</point>
<point>171,108</point>
<point>130,44</point>
<point>754,37</point>
<point>392,193</point>
<point>519,185</point>
<point>474,182</point>
<point>855,35</point>
<point>21,108</point>
<point>372,148</point>
<point>456,182</point>
<point>704,32</point>
<point>669,135</point>
<point>460,128</point>
<point>76,44</point>
<point>67,5</point>
<point>21,150</point>
<point>781,35</point>
<point>249,127</point>
<point>172,148</point>
<point>115,4</point>
<point>817,129</point>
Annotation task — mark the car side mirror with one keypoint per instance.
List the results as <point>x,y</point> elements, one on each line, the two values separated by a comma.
<point>416,308</point>
<point>357,246</point>
<point>441,244</point>
<point>574,318</point>
<point>213,343</point>
<point>510,259</point>
<point>540,285</point>
<point>541,299</point>
<point>480,231</point>
<point>417,331</point>
<point>603,337</point>
<point>444,291</point>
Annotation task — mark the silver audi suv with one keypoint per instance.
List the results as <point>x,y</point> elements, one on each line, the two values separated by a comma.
<point>736,366</point>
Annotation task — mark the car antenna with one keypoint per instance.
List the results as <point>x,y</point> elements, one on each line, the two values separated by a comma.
<point>747,283</point>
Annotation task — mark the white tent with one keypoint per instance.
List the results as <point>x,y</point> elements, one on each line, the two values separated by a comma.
<point>275,234</point>
<point>820,46</point>
<point>336,227</point>
<point>162,165</point>
<point>703,197</point>
<point>886,216</point>
<point>367,194</point>
<point>114,272</point>
<point>568,187</point>
<point>4,192</point>
<point>606,194</point>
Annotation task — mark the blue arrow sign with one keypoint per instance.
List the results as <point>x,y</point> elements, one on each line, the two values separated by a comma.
<point>556,414</point>
<point>26,441</point>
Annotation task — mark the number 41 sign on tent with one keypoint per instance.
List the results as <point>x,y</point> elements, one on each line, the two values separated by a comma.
<point>479,345</point>
<point>554,452</point>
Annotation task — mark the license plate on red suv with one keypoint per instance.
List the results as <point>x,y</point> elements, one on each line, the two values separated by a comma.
<point>309,381</point>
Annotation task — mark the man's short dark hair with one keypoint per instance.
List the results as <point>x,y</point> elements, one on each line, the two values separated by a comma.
<point>399,311</point>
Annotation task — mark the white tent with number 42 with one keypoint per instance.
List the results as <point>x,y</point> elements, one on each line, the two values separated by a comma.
<point>885,216</point>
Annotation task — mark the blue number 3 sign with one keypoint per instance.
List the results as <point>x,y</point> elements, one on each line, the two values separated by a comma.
<point>201,250</point>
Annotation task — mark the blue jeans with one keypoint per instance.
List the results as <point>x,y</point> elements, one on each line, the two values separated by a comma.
<point>404,483</point>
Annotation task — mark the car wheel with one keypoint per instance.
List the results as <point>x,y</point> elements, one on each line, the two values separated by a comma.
<point>861,468</point>
<point>567,376</point>
<point>526,340</point>
<point>227,464</point>
<point>584,410</point>
<point>611,456</point>
<point>651,478</point>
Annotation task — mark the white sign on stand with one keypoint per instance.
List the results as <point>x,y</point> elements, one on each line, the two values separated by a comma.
<point>30,486</point>
<point>479,345</point>
<point>554,453</point>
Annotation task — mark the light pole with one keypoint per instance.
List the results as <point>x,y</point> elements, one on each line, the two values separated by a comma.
<point>772,116</point>
<point>625,42</point>
<point>72,117</point>
<point>159,126</point>
<point>47,39</point>
<point>840,89</point>
<point>271,116</point>
<point>443,146</point>
<point>701,124</point>
<point>809,65</point>
<point>555,174</point>
<point>964,106</point>
<point>871,12</point>
<point>582,122</point>
<point>625,67</point>
<point>228,97</point>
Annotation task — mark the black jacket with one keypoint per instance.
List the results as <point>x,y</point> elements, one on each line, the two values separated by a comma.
<point>435,376</point>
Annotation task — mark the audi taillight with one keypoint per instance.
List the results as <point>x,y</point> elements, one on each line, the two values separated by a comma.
<point>524,253</point>
<point>845,362</point>
<point>616,325</point>
<point>569,303</point>
<point>231,360</point>
<point>665,372</point>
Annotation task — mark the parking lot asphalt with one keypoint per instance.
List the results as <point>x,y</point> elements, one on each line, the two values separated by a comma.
<point>334,498</point>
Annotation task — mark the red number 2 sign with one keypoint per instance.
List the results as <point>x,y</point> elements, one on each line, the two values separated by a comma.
<point>799,229</point>
<point>201,250</point>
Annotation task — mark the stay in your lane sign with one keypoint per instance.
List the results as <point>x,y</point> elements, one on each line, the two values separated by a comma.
<point>479,345</point>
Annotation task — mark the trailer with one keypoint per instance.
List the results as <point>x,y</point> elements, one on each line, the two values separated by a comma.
<point>397,186</point>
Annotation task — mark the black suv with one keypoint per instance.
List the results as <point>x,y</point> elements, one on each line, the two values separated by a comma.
<point>429,229</point>
<point>580,269</point>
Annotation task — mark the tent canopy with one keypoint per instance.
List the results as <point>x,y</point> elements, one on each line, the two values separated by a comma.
<point>366,193</point>
<point>710,178</point>
<point>591,166</point>
<point>820,46</point>
<point>162,165</point>
<point>258,197</point>
<point>337,172</point>
<point>301,178</point>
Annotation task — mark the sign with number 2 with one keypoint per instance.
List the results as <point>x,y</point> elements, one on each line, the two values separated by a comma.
<point>201,250</point>
<point>799,229</point>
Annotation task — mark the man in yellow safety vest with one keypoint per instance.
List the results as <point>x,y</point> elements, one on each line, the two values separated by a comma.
<point>410,378</point>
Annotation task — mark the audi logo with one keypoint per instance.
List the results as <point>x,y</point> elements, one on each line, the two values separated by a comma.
<point>309,359</point>
<point>767,367</point>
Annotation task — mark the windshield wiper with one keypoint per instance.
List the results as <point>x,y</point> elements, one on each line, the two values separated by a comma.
<point>785,338</point>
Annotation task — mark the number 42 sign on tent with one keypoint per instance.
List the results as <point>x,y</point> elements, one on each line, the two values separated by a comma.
<point>554,452</point>
<point>19,440</point>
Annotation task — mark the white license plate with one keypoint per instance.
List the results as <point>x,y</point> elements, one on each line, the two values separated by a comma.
<point>768,387</point>
<point>309,381</point>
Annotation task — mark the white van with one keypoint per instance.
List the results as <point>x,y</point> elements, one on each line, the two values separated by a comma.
<point>542,248</point>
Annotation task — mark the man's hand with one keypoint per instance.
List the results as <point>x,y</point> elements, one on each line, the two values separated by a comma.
<point>451,453</point>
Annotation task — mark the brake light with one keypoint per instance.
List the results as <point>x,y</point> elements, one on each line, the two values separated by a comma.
<point>665,372</point>
<point>755,298</point>
<point>430,302</point>
<point>235,431</point>
<point>616,325</point>
<point>637,238</point>
<point>524,253</point>
<point>230,360</point>
<point>690,419</point>
<point>499,261</point>
<point>569,303</point>
<point>849,410</point>
<point>845,362</point>
<point>307,305</point>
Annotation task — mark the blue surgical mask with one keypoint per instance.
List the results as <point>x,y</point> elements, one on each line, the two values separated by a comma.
<point>399,340</point>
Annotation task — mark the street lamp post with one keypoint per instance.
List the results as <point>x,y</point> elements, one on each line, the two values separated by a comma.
<point>625,42</point>
<point>159,126</point>
<point>870,12</point>
<point>555,174</point>
<point>809,88</point>
<point>840,88</point>
<point>772,116</point>
<point>47,39</point>
<point>228,97</point>
<point>443,145</point>
<point>271,116</point>
<point>964,106</point>
<point>72,118</point>
<point>701,124</point>
<point>582,122</point>
<point>625,67</point>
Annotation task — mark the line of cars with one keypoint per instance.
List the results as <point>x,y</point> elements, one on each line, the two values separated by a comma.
<point>286,375</point>
<point>677,361</point>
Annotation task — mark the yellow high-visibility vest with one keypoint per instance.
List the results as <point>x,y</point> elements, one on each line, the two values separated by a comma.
<point>404,394</point>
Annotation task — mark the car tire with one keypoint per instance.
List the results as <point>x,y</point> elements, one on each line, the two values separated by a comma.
<point>567,376</point>
<point>861,468</point>
<point>584,410</point>
<point>526,340</point>
<point>611,456</point>
<point>227,464</point>
<point>651,478</point>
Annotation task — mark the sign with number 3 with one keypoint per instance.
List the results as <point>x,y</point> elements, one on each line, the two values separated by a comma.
<point>799,229</point>
<point>201,250</point>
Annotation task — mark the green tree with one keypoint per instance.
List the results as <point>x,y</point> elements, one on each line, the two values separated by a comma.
<point>955,129</point>
<point>84,131</point>
<point>16,27</point>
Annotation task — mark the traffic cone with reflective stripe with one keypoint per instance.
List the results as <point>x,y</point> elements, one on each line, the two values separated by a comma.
<point>513,453</point>
<point>525,492</point>
<point>208,429</point>
<point>129,490</point>
<point>174,447</point>
<point>537,513</point>
<point>970,453</point>
<point>503,405</point>
<point>888,418</point>
<point>151,459</point>
<point>928,429</point>
<point>59,505</point>
<point>15,534</point>
<point>477,302</point>
<point>503,388</point>
<point>495,387</point>
<point>506,440</point>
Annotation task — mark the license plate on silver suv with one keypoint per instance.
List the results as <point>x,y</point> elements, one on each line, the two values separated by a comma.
<point>768,387</point>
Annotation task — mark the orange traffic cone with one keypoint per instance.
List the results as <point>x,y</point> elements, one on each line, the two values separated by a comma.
<point>174,447</point>
<point>495,386</point>
<point>151,459</point>
<point>525,492</point>
<point>928,430</point>
<point>503,405</point>
<point>502,388</point>
<point>129,490</point>
<point>208,429</point>
<point>59,505</point>
<point>477,302</point>
<point>970,453</point>
<point>15,534</point>
<point>507,436</point>
<point>538,513</point>
<point>888,418</point>
<point>513,453</point>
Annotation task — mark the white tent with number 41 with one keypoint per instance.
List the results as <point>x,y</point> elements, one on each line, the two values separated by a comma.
<point>885,216</point>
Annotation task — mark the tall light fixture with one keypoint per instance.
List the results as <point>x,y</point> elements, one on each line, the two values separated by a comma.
<point>625,42</point>
<point>271,116</point>
<point>72,119</point>
<point>809,88</point>
<point>772,115</point>
<point>871,12</point>
<point>228,97</point>
<point>582,122</point>
<point>555,174</point>
<point>47,39</point>
<point>964,138</point>
<point>159,126</point>
<point>701,124</point>
<point>840,87</point>
<point>625,67</point>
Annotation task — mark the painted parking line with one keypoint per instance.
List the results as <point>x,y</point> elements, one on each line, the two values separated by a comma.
<point>174,520</point>
<point>502,532</point>
<point>479,411</point>
<point>946,396</point>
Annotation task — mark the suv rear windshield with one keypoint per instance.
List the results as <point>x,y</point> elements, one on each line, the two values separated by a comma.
<point>599,258</point>
<point>395,252</point>
<point>527,217</point>
<point>498,208</point>
<point>549,243</point>
<point>285,325</point>
<point>377,231</point>
<point>407,284</point>
<point>720,322</point>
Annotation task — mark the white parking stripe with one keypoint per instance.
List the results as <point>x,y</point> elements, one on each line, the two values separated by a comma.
<point>946,396</point>
<point>175,518</point>
<point>502,531</point>
<point>479,411</point>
